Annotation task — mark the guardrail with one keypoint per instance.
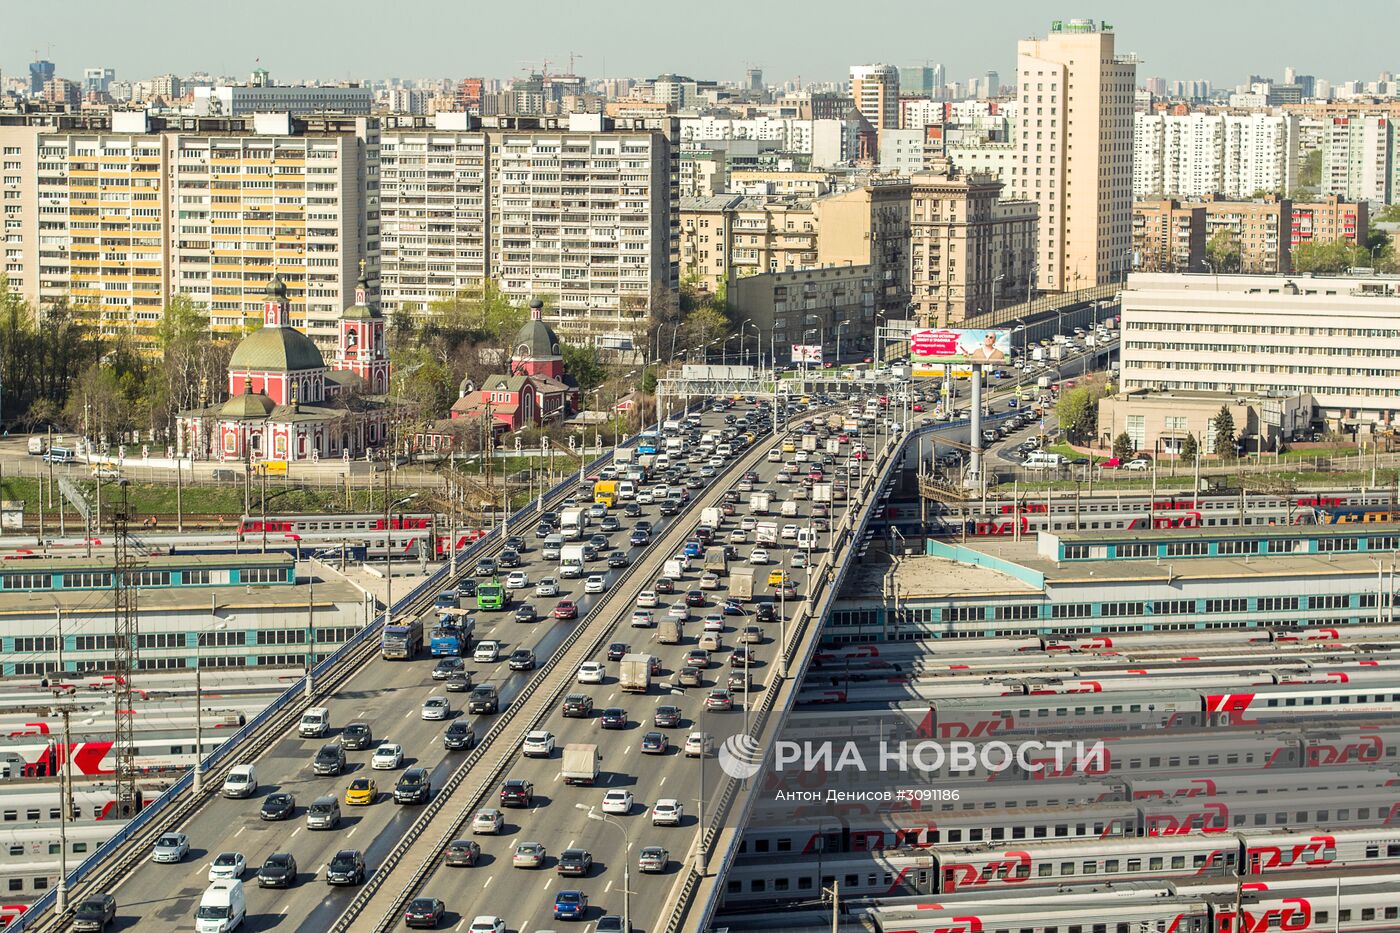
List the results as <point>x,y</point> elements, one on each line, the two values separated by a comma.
<point>678,530</point>
<point>340,663</point>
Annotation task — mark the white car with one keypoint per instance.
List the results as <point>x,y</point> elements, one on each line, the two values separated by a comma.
<point>748,523</point>
<point>789,531</point>
<point>548,586</point>
<point>227,865</point>
<point>667,812</point>
<point>487,652</point>
<point>538,744</point>
<point>714,623</point>
<point>487,924</point>
<point>643,618</point>
<point>436,708</point>
<point>1139,465</point>
<point>709,581</point>
<point>617,801</point>
<point>698,744</point>
<point>758,556</point>
<point>387,757</point>
<point>647,599</point>
<point>488,821</point>
<point>592,672</point>
<point>594,584</point>
<point>738,536</point>
<point>517,580</point>
<point>645,497</point>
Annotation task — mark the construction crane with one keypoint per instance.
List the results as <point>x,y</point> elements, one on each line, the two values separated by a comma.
<point>572,56</point>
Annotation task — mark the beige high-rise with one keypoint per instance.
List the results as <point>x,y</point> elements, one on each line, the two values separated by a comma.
<point>1076,159</point>
<point>875,89</point>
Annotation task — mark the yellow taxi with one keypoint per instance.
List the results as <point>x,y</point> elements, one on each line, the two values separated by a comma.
<point>789,447</point>
<point>777,577</point>
<point>361,793</point>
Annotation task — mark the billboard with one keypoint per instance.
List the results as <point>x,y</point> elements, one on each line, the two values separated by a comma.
<point>929,348</point>
<point>807,353</point>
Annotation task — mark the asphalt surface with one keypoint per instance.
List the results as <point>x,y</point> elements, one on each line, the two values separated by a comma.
<point>389,695</point>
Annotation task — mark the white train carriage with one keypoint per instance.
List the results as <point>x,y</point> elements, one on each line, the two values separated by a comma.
<point>29,805</point>
<point>1174,816</point>
<point>29,857</point>
<point>155,754</point>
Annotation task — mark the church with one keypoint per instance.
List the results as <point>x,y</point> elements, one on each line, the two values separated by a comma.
<point>536,390</point>
<point>285,403</point>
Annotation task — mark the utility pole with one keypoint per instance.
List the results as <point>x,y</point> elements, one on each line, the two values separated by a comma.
<point>310,630</point>
<point>179,496</point>
<point>124,591</point>
<point>65,804</point>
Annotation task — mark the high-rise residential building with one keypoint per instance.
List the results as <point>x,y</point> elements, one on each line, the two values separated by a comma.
<point>1169,236</point>
<point>1330,220</point>
<point>875,89</point>
<point>753,80</point>
<point>1076,138</point>
<point>1193,155</point>
<point>40,73</point>
<point>1157,87</point>
<point>1260,231</point>
<point>916,80</point>
<point>991,84</point>
<point>63,91</point>
<point>169,87</point>
<point>970,252</point>
<point>98,80</point>
<point>117,213</point>
<point>581,208</point>
<point>1359,160</point>
<point>469,91</point>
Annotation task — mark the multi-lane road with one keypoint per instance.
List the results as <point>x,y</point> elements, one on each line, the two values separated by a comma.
<point>389,696</point>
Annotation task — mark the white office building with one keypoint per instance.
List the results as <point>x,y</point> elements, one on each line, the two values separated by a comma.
<point>240,100</point>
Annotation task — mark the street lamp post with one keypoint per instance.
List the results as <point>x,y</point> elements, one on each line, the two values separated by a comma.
<point>388,556</point>
<point>840,325</point>
<point>626,861</point>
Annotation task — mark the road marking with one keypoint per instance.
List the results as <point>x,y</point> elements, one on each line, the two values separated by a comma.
<point>487,883</point>
<point>351,832</point>
<point>408,714</point>
<point>240,830</point>
<point>661,783</point>
<point>570,845</point>
<point>294,832</point>
<point>608,888</point>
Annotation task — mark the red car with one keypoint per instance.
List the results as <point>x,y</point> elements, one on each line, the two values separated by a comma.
<point>567,609</point>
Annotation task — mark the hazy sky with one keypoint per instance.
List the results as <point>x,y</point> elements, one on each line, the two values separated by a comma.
<point>1221,40</point>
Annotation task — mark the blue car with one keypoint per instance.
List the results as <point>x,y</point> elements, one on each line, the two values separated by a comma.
<point>692,549</point>
<point>639,538</point>
<point>570,905</point>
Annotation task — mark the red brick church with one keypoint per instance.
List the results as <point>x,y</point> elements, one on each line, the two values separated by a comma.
<point>536,391</point>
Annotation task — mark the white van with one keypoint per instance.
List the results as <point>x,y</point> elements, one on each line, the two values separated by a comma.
<point>242,781</point>
<point>315,722</point>
<point>671,426</point>
<point>806,537</point>
<point>1043,460</point>
<point>626,489</point>
<point>222,908</point>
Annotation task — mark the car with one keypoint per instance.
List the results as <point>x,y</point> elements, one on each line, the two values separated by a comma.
<point>486,567</point>
<point>693,598</point>
<point>617,650</point>
<point>528,855</point>
<point>516,792</point>
<point>538,744</point>
<point>488,822</point>
<point>414,786</point>
<point>667,812</point>
<point>654,743</point>
<point>517,580</point>
<point>609,524</point>
<point>459,736</point>
<point>611,923</point>
<point>437,708</point>
<point>521,659</point>
<point>766,612</point>
<point>458,683</point>
<point>565,609</point>
<point>617,801</point>
<point>570,905</point>
<point>548,586</point>
<point>463,853</point>
<point>487,924</point>
<point>357,735</point>
<point>577,706</point>
<point>618,559</point>
<point>798,559</point>
<point>466,589</point>
<point>227,865</point>
<point>719,701</point>
<point>738,681</point>
<point>487,652</point>
<point>97,911</point>
<point>170,847</point>
<point>592,672</point>
<point>362,792</point>
<point>423,912</point>
<point>777,577</point>
<point>709,581</point>
<point>665,586</point>
<point>697,657</point>
<point>346,867</point>
<point>679,611</point>
<point>446,667</point>
<point>1138,465</point>
<point>732,607</point>
<point>699,744</point>
<point>598,542</point>
<point>786,591</point>
<point>279,806</point>
<point>633,509</point>
<point>509,557</point>
<point>387,757</point>
<point>639,538</point>
<point>689,676</point>
<point>758,556</point>
<point>544,530</point>
<point>647,599</point>
<point>652,859</point>
<point>574,863</point>
<point>714,622</point>
<point>597,510</point>
<point>614,717</point>
<point>643,618</point>
<point>279,870</point>
<point>789,532</point>
<point>666,717</point>
<point>594,584</point>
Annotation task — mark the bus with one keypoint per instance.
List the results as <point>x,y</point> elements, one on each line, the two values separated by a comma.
<point>491,595</point>
<point>401,640</point>
<point>447,640</point>
<point>648,442</point>
<point>605,493</point>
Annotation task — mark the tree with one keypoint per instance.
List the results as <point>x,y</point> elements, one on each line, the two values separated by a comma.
<point>1388,214</point>
<point>1310,175</point>
<point>1078,409</point>
<point>1123,447</point>
<point>1224,428</point>
<point>1328,258</point>
<point>1190,450</point>
<point>581,361</point>
<point>649,380</point>
<point>1223,251</point>
<point>703,326</point>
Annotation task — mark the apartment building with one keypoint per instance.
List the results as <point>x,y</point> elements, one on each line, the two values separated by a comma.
<point>1193,155</point>
<point>1333,338</point>
<point>789,133</point>
<point>583,209</point>
<point>869,225</point>
<point>1259,229</point>
<point>1075,132</point>
<point>808,306</point>
<point>115,213</point>
<point>1329,220</point>
<point>1168,236</point>
<point>241,100</point>
<point>1359,147</point>
<point>875,89</point>
<point>969,251</point>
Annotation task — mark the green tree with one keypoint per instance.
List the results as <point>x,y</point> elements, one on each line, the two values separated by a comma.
<point>1388,214</point>
<point>1310,175</point>
<point>1224,429</point>
<point>649,380</point>
<point>1190,450</point>
<point>703,326</point>
<point>1123,447</point>
<point>1223,251</point>
<point>582,362</point>
<point>1328,258</point>
<point>1078,409</point>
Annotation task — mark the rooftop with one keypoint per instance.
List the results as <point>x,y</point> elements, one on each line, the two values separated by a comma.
<point>270,601</point>
<point>921,577</point>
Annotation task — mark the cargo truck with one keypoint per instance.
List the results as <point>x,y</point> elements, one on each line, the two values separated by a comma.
<point>759,503</point>
<point>741,583</point>
<point>711,518</point>
<point>766,533</point>
<point>571,524</point>
<point>634,673</point>
<point>716,561</point>
<point>571,560</point>
<point>605,493</point>
<point>821,492</point>
<point>580,764</point>
<point>789,508</point>
<point>809,442</point>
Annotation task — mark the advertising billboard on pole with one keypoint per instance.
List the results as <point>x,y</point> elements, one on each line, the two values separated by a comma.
<point>807,353</point>
<point>930,349</point>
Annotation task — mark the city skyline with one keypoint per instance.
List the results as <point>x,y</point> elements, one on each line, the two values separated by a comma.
<point>984,40</point>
